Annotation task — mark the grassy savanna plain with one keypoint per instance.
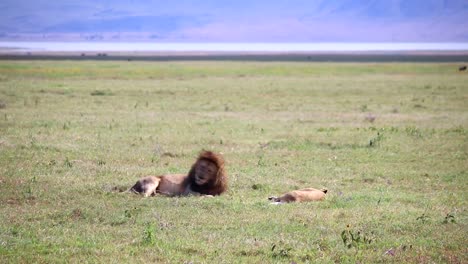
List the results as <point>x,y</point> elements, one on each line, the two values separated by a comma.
<point>388,140</point>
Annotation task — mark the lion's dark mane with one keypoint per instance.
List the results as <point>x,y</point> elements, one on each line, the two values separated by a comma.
<point>215,186</point>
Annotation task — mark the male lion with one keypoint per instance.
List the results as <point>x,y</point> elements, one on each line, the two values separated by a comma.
<point>206,177</point>
<point>303,195</point>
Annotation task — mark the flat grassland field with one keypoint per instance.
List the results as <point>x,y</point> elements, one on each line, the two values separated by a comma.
<point>388,140</point>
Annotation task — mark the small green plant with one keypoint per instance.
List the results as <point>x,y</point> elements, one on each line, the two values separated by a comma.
<point>28,193</point>
<point>352,238</point>
<point>77,214</point>
<point>149,234</point>
<point>261,161</point>
<point>66,125</point>
<point>283,252</point>
<point>67,163</point>
<point>99,93</point>
<point>127,214</point>
<point>413,131</point>
<point>424,218</point>
<point>376,140</point>
<point>33,141</point>
<point>449,218</point>
<point>258,186</point>
<point>14,231</point>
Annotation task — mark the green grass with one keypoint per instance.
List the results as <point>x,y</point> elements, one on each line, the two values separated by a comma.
<point>73,133</point>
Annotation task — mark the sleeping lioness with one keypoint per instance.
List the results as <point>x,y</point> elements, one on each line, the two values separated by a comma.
<point>303,195</point>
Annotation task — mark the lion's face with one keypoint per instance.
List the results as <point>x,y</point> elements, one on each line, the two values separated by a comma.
<point>205,171</point>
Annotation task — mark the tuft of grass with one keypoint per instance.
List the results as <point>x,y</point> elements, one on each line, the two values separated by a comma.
<point>67,163</point>
<point>376,140</point>
<point>356,238</point>
<point>149,235</point>
<point>424,218</point>
<point>100,93</point>
<point>449,218</point>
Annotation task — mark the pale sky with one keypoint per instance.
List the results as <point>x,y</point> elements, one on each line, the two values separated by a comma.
<point>245,21</point>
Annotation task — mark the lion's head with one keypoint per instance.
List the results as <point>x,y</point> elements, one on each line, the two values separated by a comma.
<point>207,175</point>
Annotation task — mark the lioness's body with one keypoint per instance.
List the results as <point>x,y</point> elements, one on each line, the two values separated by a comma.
<point>303,195</point>
<point>170,185</point>
<point>173,185</point>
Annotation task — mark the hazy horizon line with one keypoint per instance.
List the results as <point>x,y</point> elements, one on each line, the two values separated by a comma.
<point>70,46</point>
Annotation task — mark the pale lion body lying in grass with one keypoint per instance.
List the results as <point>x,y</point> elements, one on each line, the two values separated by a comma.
<point>302,195</point>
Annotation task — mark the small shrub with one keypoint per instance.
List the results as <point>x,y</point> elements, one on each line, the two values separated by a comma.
<point>66,125</point>
<point>413,131</point>
<point>149,234</point>
<point>127,214</point>
<point>261,161</point>
<point>100,93</point>
<point>278,252</point>
<point>28,193</point>
<point>77,214</point>
<point>449,218</point>
<point>356,239</point>
<point>258,186</point>
<point>375,141</point>
<point>423,218</point>
<point>67,163</point>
